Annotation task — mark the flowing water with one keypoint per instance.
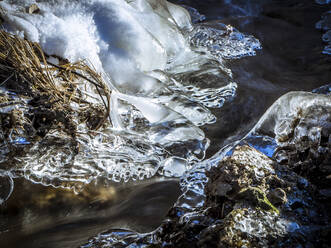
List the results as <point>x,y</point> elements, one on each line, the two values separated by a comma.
<point>246,54</point>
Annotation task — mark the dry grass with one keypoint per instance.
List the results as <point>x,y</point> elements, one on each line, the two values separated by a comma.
<point>23,66</point>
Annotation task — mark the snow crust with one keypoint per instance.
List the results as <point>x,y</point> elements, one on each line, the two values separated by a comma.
<point>121,38</point>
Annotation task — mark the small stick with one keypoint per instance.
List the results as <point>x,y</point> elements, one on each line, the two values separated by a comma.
<point>7,79</point>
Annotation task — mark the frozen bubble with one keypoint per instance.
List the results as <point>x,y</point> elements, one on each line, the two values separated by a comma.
<point>223,41</point>
<point>174,167</point>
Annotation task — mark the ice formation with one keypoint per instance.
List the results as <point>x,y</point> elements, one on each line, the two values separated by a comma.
<point>323,1</point>
<point>148,51</point>
<point>307,116</point>
<point>325,25</point>
<point>6,185</point>
<point>276,121</point>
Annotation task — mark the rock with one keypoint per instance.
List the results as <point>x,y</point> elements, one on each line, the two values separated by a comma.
<point>251,201</point>
<point>277,196</point>
<point>222,189</point>
<point>301,125</point>
<point>33,9</point>
<point>257,197</point>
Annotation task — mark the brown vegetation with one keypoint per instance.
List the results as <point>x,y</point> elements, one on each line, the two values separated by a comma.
<point>37,96</point>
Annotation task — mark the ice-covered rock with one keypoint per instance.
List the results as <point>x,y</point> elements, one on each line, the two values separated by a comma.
<point>249,199</point>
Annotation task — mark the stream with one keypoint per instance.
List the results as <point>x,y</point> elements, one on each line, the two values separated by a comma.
<point>276,47</point>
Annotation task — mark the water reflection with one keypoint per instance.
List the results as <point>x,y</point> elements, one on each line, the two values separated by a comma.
<point>59,218</point>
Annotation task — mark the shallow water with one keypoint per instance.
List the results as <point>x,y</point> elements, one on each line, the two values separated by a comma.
<point>39,216</point>
<point>291,59</point>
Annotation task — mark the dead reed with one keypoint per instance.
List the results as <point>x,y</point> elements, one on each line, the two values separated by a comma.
<point>24,69</point>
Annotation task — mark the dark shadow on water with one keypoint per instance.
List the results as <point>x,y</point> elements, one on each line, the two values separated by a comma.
<point>139,207</point>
